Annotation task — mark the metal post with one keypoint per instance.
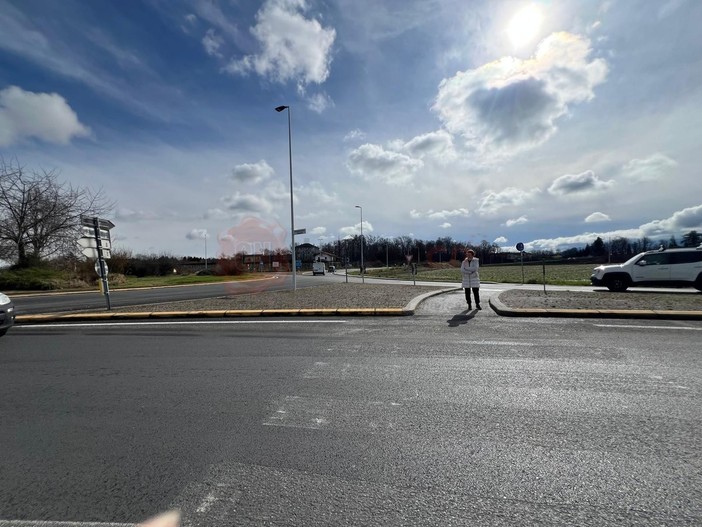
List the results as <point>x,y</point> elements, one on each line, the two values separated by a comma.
<point>363,276</point>
<point>292,214</point>
<point>101,262</point>
<point>521,254</point>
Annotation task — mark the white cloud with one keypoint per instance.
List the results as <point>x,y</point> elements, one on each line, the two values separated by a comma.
<point>318,231</point>
<point>678,223</point>
<point>578,183</point>
<point>512,104</point>
<point>654,167</point>
<point>315,193</point>
<point>445,225</point>
<point>45,116</point>
<point>129,215</point>
<point>439,214</point>
<point>596,217</point>
<point>356,229</point>
<point>212,43</point>
<point>216,214</point>
<point>355,135</point>
<point>197,234</point>
<point>681,221</point>
<point>252,172</point>
<point>501,239</point>
<point>492,201</point>
<point>518,221</point>
<point>292,47</point>
<point>374,162</point>
<point>248,203</point>
<point>319,102</point>
<point>438,145</point>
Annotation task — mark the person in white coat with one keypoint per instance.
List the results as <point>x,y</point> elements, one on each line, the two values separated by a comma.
<point>470,270</point>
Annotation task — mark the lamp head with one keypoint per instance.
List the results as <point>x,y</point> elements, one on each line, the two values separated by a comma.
<point>280,108</point>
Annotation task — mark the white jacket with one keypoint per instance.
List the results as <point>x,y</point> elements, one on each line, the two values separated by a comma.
<point>471,273</point>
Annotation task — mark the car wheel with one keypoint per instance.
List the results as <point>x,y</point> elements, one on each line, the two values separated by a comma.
<point>3,331</point>
<point>698,282</point>
<point>617,284</point>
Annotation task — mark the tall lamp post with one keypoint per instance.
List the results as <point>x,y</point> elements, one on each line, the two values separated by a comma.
<point>292,215</point>
<point>363,275</point>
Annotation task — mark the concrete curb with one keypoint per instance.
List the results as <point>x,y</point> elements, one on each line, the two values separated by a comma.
<point>409,309</point>
<point>414,303</point>
<point>233,313</point>
<point>502,310</point>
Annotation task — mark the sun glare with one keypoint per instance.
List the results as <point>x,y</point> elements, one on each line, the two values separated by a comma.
<point>524,26</point>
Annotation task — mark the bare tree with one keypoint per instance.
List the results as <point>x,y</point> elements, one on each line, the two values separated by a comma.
<point>40,215</point>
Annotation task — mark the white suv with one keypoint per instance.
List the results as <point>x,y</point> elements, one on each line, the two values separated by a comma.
<point>663,268</point>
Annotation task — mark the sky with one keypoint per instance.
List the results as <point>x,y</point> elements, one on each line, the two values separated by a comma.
<point>543,122</point>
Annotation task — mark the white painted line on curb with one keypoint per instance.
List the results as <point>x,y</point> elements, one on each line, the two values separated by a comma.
<point>173,323</point>
<point>29,523</point>
<point>646,327</point>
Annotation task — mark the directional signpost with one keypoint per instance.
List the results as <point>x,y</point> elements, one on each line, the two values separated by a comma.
<point>96,243</point>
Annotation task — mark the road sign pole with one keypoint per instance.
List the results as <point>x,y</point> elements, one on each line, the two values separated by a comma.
<point>522,258</point>
<point>101,262</point>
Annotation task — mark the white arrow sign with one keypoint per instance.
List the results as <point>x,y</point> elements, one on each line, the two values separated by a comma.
<point>91,243</point>
<point>89,232</point>
<point>91,252</point>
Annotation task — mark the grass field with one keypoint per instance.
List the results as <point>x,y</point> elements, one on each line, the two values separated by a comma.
<point>160,281</point>
<point>42,279</point>
<point>556,274</point>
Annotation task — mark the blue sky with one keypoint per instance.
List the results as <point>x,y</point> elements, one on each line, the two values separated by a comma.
<point>546,122</point>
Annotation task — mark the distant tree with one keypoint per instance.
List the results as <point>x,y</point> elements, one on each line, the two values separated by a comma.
<point>598,247</point>
<point>691,239</point>
<point>672,243</point>
<point>40,215</point>
<point>619,246</point>
<point>645,243</point>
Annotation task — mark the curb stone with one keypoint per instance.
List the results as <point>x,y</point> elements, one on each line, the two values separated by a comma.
<point>505,311</point>
<point>409,309</point>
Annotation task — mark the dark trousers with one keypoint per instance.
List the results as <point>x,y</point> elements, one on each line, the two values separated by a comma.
<point>476,294</point>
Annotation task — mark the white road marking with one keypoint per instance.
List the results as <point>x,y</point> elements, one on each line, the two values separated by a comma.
<point>25,523</point>
<point>646,327</point>
<point>174,323</point>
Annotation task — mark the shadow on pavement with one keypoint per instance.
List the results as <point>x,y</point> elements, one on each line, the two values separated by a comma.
<point>461,318</point>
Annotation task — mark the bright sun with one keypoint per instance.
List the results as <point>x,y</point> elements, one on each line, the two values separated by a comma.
<point>524,26</point>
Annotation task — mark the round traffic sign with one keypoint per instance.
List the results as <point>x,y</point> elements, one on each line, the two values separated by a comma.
<point>97,267</point>
<point>520,246</point>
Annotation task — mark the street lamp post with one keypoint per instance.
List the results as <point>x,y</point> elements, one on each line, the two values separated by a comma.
<point>292,215</point>
<point>363,276</point>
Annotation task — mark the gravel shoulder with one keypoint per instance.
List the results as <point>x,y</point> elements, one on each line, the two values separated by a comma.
<point>354,295</point>
<point>685,300</point>
<point>319,297</point>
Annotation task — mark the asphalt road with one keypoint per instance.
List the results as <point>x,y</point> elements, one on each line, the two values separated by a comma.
<point>86,300</point>
<point>444,418</point>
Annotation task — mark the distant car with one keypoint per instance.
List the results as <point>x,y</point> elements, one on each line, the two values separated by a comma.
<point>7,314</point>
<point>319,268</point>
<point>332,269</point>
<point>662,268</point>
